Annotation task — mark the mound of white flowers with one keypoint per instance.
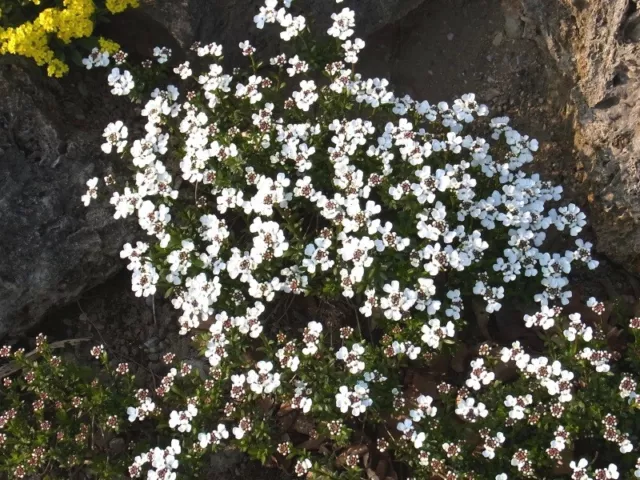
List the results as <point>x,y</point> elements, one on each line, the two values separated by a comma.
<point>299,177</point>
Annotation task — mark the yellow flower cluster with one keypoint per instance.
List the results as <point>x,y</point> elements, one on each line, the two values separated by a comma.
<point>117,6</point>
<point>74,20</point>
<point>109,46</point>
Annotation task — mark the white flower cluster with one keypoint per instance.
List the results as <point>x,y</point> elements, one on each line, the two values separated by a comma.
<point>552,390</point>
<point>344,209</point>
<point>121,83</point>
<point>145,407</point>
<point>96,59</point>
<point>356,400</point>
<point>247,195</point>
<point>215,437</point>
<point>163,463</point>
<point>92,191</point>
<point>263,381</point>
<point>181,421</point>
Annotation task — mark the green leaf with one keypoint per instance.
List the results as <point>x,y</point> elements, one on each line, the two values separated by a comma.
<point>75,57</point>
<point>87,43</point>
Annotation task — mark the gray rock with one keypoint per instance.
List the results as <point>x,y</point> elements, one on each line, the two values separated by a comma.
<point>116,445</point>
<point>512,26</point>
<point>52,247</point>
<point>592,44</point>
<point>632,27</point>
<point>497,40</point>
<point>229,22</point>
<point>512,19</point>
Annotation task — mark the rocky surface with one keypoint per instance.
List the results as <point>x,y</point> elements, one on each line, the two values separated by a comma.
<point>565,71</point>
<point>52,247</point>
<point>595,46</point>
<point>231,21</point>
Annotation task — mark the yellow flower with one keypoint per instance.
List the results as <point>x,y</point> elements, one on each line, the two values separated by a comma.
<point>117,6</point>
<point>48,19</point>
<point>57,68</point>
<point>27,40</point>
<point>108,46</point>
<point>73,20</point>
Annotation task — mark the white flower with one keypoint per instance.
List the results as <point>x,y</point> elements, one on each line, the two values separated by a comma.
<point>479,375</point>
<point>351,50</point>
<point>238,432</point>
<point>302,467</point>
<point>343,24</point>
<point>434,333</point>
<point>92,192</point>
<point>132,413</point>
<point>121,83</point>
<point>162,54</point>
<point>115,135</point>
<point>469,411</point>
<point>579,469</point>
<point>204,439</point>
<point>147,405</point>
<point>306,96</point>
<point>181,420</point>
<point>211,49</point>
<point>220,433</point>
<point>396,303</point>
<point>543,319</point>
<point>144,280</point>
<point>246,48</point>
<point>262,380</point>
<point>317,254</point>
<point>96,59</point>
<point>297,66</point>
<point>611,472</point>
<point>267,14</point>
<point>342,399</point>
<point>405,427</point>
<point>250,90</point>
<point>184,70</point>
<point>418,440</point>
<point>292,25</point>
<point>626,446</point>
<point>352,358</point>
<point>357,400</point>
